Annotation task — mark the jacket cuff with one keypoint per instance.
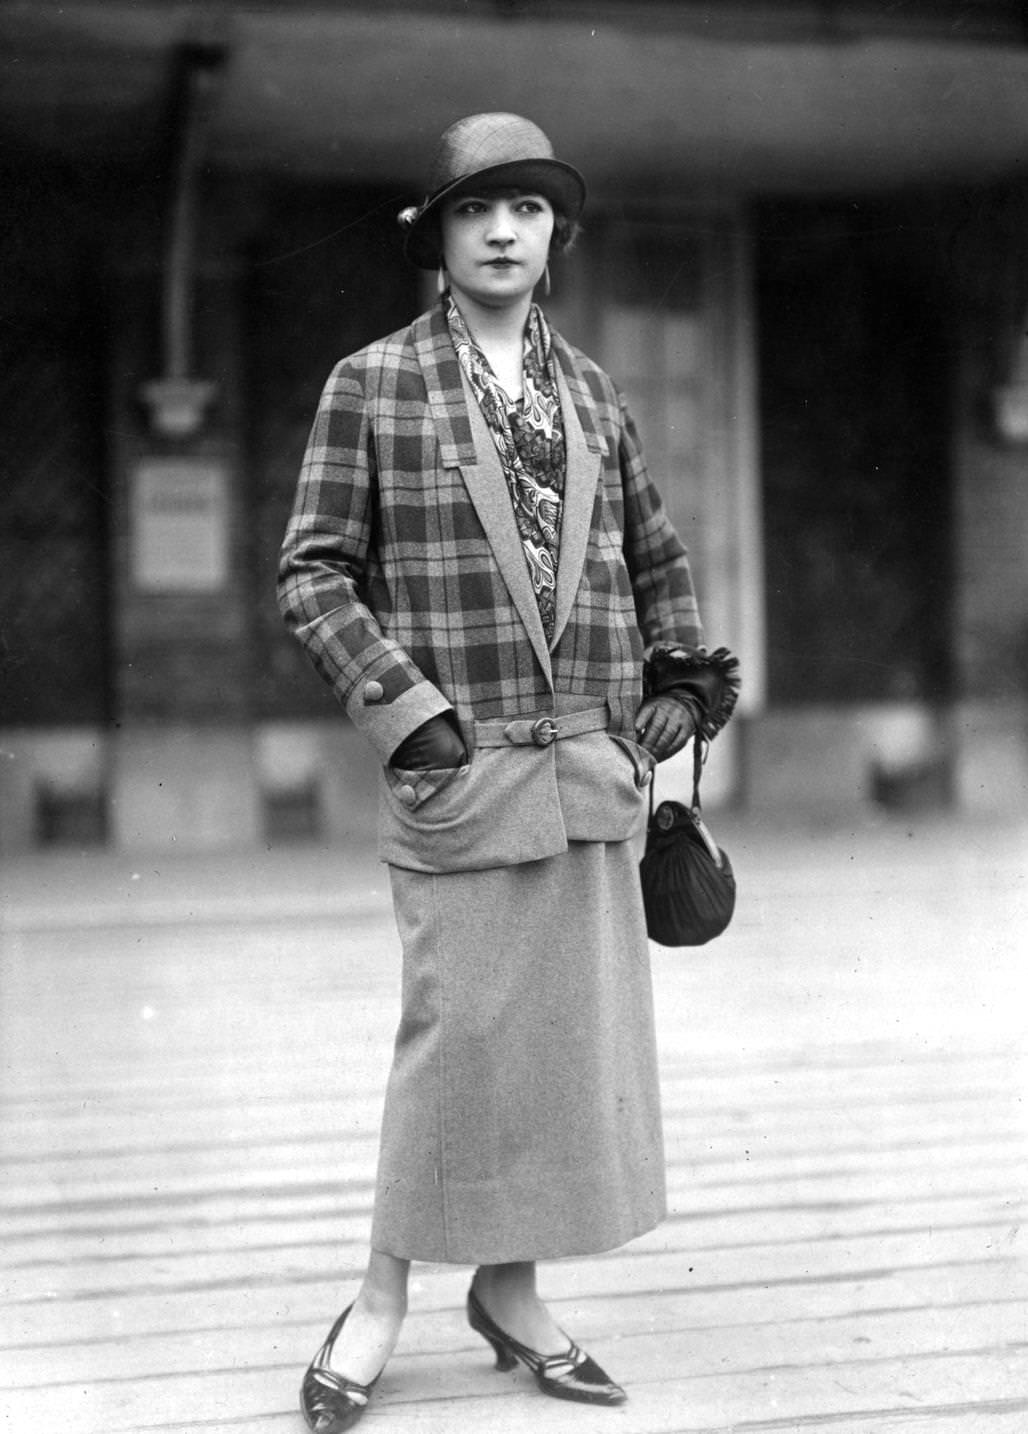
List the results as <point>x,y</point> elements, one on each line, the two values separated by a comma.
<point>711,679</point>
<point>386,724</point>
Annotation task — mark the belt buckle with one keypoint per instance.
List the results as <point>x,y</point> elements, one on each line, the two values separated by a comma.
<point>544,731</point>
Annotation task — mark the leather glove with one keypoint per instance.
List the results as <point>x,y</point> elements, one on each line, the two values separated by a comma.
<point>708,680</point>
<point>436,743</point>
<point>664,724</point>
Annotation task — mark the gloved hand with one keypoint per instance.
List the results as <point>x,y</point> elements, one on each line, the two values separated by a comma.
<point>708,680</point>
<point>664,724</point>
<point>436,743</point>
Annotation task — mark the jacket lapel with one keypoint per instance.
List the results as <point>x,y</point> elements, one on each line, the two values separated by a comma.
<point>466,443</point>
<point>443,384</point>
<point>488,488</point>
<point>586,447</point>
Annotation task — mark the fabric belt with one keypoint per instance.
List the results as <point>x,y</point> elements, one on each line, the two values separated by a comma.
<point>540,731</point>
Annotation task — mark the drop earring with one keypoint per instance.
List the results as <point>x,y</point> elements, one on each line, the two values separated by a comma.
<point>440,280</point>
<point>546,281</point>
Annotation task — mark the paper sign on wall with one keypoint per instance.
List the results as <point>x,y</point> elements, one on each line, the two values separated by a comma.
<point>180,525</point>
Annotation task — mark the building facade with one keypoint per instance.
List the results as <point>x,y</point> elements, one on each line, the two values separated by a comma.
<point>810,277</point>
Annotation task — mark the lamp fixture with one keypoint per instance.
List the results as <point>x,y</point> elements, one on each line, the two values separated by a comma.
<point>177,402</point>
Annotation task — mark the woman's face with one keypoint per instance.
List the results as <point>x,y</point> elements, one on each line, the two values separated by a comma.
<point>496,244</point>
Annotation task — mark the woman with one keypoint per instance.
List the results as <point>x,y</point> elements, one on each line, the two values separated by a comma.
<point>479,566</point>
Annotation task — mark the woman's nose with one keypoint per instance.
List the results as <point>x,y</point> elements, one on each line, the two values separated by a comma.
<point>501,226</point>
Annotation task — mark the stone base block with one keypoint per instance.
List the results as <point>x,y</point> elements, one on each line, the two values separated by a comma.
<point>184,787</point>
<point>991,745</point>
<point>847,758</point>
<point>52,787</point>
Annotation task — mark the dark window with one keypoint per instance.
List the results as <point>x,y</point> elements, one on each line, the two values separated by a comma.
<point>52,499</point>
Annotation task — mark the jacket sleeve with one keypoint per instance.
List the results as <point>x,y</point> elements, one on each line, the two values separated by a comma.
<point>658,564</point>
<point>322,582</point>
<point>677,662</point>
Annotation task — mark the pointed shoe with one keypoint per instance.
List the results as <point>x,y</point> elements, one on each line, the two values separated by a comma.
<point>571,1375</point>
<point>329,1402</point>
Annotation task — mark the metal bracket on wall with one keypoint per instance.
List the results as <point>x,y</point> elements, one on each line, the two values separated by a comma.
<point>1010,400</point>
<point>177,401</point>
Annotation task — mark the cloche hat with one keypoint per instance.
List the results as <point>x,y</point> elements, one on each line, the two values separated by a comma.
<point>493,149</point>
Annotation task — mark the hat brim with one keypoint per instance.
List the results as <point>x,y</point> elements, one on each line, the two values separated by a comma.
<point>558,182</point>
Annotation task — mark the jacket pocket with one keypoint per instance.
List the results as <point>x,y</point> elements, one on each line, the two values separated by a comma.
<point>413,787</point>
<point>501,809</point>
<point>643,762</point>
<point>602,777</point>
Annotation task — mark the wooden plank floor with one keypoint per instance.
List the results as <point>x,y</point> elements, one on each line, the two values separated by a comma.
<point>194,1055</point>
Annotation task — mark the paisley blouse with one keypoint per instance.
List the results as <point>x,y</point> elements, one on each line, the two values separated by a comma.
<point>529,437</point>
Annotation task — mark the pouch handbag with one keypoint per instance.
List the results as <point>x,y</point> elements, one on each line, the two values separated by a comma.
<point>688,885</point>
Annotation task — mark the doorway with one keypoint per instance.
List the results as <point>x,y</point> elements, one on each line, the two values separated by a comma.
<point>854,419</point>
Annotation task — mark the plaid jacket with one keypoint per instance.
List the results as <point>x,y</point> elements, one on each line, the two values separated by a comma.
<point>403,576</point>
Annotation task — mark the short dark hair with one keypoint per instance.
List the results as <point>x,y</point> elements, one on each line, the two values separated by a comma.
<point>565,233</point>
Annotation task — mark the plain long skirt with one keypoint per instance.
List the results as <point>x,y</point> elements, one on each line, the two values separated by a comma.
<point>522,1116</point>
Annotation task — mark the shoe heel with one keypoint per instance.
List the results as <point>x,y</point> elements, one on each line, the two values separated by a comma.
<point>505,1360</point>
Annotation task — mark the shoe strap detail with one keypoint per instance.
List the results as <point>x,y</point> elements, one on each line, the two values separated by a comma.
<point>546,1364</point>
<point>571,1375</point>
<point>562,1366</point>
<point>329,1400</point>
<point>337,1384</point>
<point>324,1354</point>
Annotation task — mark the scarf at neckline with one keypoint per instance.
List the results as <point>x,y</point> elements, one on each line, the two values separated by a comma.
<point>529,438</point>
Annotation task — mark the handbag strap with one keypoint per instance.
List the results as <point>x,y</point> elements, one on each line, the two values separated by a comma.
<point>700,748</point>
